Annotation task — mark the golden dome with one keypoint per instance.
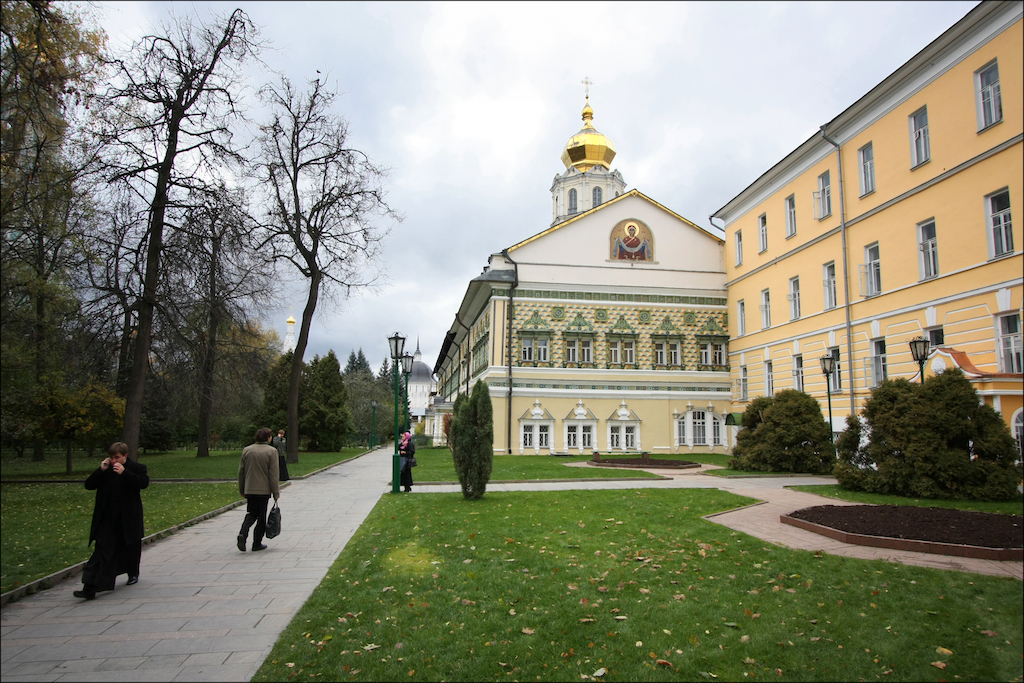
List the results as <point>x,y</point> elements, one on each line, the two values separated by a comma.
<point>588,148</point>
<point>290,320</point>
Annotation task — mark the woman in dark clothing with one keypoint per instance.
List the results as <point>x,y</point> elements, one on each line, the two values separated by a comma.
<point>117,524</point>
<point>408,452</point>
<point>281,445</point>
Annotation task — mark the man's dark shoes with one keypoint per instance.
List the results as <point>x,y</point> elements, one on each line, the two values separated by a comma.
<point>258,546</point>
<point>132,580</point>
<point>241,543</point>
<point>85,595</point>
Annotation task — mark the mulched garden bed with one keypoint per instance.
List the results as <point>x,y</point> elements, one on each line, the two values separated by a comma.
<point>939,525</point>
<point>642,462</point>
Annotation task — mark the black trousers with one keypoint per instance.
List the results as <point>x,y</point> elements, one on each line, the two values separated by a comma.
<point>111,557</point>
<point>405,476</point>
<point>255,512</point>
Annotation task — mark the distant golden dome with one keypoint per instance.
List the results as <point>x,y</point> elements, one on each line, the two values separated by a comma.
<point>588,148</point>
<point>290,320</point>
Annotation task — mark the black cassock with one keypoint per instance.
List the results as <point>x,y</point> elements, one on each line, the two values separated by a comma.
<point>117,525</point>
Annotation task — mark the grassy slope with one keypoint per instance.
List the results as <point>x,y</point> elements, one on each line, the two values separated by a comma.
<point>528,586</point>
<point>45,527</point>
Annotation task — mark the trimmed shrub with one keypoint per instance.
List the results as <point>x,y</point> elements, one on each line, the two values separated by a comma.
<point>784,433</point>
<point>471,439</point>
<point>931,440</point>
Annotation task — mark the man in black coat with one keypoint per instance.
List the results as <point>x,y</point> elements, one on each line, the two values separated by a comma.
<point>117,524</point>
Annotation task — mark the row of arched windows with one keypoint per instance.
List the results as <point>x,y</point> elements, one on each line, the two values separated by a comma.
<point>598,197</point>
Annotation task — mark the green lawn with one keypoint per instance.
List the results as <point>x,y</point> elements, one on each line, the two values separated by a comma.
<point>1011,507</point>
<point>436,464</point>
<point>169,465</point>
<point>45,527</point>
<point>562,585</point>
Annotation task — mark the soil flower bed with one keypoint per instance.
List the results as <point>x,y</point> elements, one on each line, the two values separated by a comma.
<point>642,462</point>
<point>938,525</point>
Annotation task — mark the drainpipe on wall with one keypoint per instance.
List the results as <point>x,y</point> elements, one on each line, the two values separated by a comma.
<point>508,351</point>
<point>846,275</point>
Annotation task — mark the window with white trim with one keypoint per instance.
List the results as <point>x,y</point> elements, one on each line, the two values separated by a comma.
<point>571,440</point>
<point>587,432</point>
<point>615,437</point>
<point>527,349</point>
<point>739,247</point>
<point>597,196</point>
<point>762,233</point>
<point>823,197</point>
<point>543,436</point>
<point>879,372</point>
<point>769,378</point>
<point>794,298</point>
<point>630,437</point>
<point>716,430</point>
<point>828,281</point>
<point>988,96</point>
<point>741,318</point>
<point>928,261</point>
<point>681,430</point>
<point>627,352</point>
<point>866,163</point>
<point>571,351</point>
<point>1010,343</point>
<point>700,432</point>
<point>1000,223</point>
<point>837,374</point>
<point>1018,433</point>
<point>673,353</point>
<point>936,337</point>
<point>712,353</point>
<point>743,383</point>
<point>790,215</point>
<point>527,436</point>
<point>572,201</point>
<point>871,271</point>
<point>613,352</point>
<point>659,353</point>
<point>766,309</point>
<point>920,146</point>
<point>542,350</point>
<point>798,373</point>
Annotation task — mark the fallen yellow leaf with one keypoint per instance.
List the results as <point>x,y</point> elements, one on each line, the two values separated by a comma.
<point>943,651</point>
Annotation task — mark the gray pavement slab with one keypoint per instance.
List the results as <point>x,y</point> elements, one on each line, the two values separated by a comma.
<point>202,610</point>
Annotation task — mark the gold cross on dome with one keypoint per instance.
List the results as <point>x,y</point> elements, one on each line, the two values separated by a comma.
<point>586,84</point>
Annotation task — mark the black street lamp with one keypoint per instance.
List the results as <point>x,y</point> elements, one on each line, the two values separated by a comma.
<point>919,350</point>
<point>397,344</point>
<point>407,361</point>
<point>828,366</point>
<point>373,423</point>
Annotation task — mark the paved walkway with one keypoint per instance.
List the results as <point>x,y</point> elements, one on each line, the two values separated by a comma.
<point>204,611</point>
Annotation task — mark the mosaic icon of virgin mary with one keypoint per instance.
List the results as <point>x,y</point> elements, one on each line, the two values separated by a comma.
<point>631,241</point>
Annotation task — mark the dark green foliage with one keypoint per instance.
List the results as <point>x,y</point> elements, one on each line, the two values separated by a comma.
<point>784,433</point>
<point>931,440</point>
<point>471,439</point>
<point>274,412</point>
<point>324,417</point>
<point>357,363</point>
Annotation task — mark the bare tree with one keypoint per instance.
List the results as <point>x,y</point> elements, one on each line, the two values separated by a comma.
<point>323,198</point>
<point>169,112</point>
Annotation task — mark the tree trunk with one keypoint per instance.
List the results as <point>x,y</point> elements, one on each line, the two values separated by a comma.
<point>39,335</point>
<point>209,359</point>
<point>140,359</point>
<point>296,374</point>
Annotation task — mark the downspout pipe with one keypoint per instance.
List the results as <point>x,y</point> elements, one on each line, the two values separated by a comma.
<point>846,274</point>
<point>508,350</point>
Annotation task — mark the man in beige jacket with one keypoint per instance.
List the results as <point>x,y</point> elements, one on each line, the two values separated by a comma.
<point>257,481</point>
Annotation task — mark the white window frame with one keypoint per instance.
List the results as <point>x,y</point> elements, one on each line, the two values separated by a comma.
<point>526,436</point>
<point>718,353</point>
<point>762,233</point>
<point>587,436</point>
<point>769,378</point>
<point>790,215</point>
<point>586,351</point>
<point>794,298</point>
<point>598,196</point>
<point>614,437</point>
<point>526,349</point>
<point>828,282</point>
<point>739,247</point>
<point>766,309</point>
<point>823,197</point>
<point>659,353</point>
<point>866,164</point>
<point>988,98</point>
<point>613,352</point>
<point>573,202</point>
<point>936,337</point>
<point>928,249</point>
<point>542,350</point>
<point>741,318</point>
<point>571,348</point>
<point>871,271</point>
<point>572,440</point>
<point>629,437</point>
<point>920,143</point>
<point>544,436</point>
<point>705,353</point>
<point>743,383</point>
<point>879,371</point>
<point>673,353</point>
<point>836,377</point>
<point>1010,351</point>
<point>1000,225</point>
<point>698,418</point>
<point>681,430</point>
<point>798,373</point>
<point>628,352</point>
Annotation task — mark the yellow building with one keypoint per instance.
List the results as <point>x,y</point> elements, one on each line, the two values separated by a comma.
<point>608,328</point>
<point>895,222</point>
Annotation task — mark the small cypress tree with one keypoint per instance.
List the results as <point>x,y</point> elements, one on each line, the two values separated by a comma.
<point>471,439</point>
<point>784,433</point>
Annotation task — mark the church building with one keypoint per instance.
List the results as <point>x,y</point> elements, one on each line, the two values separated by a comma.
<point>607,331</point>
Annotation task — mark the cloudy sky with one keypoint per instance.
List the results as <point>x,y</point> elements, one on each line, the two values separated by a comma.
<point>470,105</point>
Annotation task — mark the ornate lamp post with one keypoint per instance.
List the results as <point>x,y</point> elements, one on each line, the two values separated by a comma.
<point>407,361</point>
<point>919,350</point>
<point>397,344</point>
<point>373,423</point>
<point>828,366</point>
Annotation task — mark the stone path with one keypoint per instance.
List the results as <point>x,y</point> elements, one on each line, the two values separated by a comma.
<point>204,611</point>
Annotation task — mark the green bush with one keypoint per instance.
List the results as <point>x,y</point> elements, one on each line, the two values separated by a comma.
<point>784,433</point>
<point>931,440</point>
<point>471,439</point>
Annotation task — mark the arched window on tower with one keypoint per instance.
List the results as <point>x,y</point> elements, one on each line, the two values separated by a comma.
<point>572,201</point>
<point>597,196</point>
